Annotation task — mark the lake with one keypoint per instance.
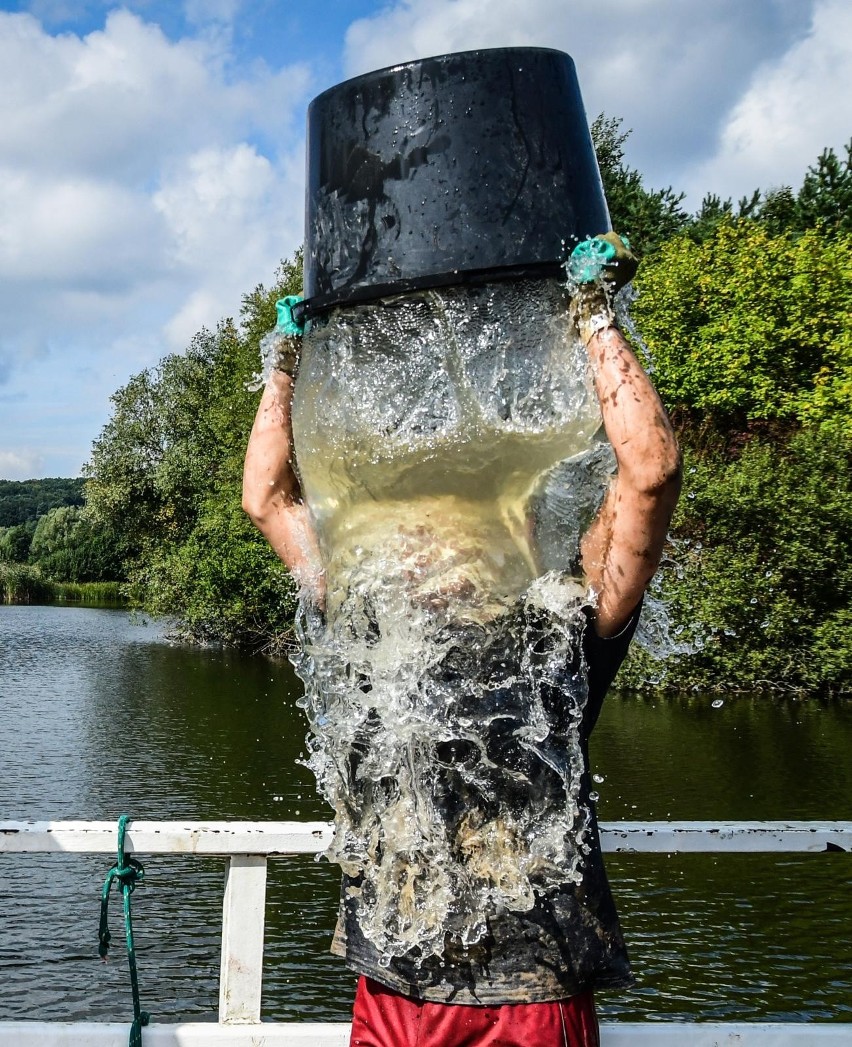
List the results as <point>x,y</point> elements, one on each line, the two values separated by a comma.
<point>101,715</point>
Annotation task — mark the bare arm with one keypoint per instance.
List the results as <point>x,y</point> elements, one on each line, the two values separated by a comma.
<point>271,493</point>
<point>622,548</point>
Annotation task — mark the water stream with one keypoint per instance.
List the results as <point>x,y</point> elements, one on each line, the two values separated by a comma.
<point>430,431</point>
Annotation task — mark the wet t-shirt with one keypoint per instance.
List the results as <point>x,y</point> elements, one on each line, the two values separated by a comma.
<point>570,940</point>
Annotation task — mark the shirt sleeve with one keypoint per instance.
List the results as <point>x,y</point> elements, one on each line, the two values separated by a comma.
<point>604,656</point>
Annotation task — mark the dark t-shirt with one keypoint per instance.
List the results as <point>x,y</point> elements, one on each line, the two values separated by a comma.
<point>570,940</point>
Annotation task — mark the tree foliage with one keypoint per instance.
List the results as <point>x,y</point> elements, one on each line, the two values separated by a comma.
<point>24,501</point>
<point>165,477</point>
<point>646,217</point>
<point>746,326</point>
<point>751,343</point>
<point>761,573</point>
<point>68,545</point>
<point>745,313</point>
<point>15,543</point>
<point>58,538</point>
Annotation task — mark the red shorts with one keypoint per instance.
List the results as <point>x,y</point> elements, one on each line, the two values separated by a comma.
<point>384,1018</point>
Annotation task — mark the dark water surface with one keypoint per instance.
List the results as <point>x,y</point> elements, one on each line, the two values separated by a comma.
<point>100,715</point>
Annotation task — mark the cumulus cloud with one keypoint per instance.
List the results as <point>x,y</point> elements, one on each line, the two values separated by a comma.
<point>671,70</point>
<point>210,201</point>
<point>20,465</point>
<point>74,230</point>
<point>146,184</point>
<point>793,109</point>
<point>127,158</point>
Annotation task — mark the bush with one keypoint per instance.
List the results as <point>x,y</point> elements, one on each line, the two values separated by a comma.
<point>749,327</point>
<point>762,569</point>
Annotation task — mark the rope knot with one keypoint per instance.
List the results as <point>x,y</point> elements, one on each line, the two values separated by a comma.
<point>128,875</point>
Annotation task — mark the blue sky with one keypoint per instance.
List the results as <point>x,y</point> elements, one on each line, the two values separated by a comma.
<point>151,154</point>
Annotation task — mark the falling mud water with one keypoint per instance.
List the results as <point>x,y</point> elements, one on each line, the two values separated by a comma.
<point>450,449</point>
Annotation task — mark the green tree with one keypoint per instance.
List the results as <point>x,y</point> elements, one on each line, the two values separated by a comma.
<point>15,543</point>
<point>746,327</point>
<point>24,501</point>
<point>69,546</point>
<point>165,476</point>
<point>646,217</point>
<point>751,344</point>
<point>825,199</point>
<point>763,574</point>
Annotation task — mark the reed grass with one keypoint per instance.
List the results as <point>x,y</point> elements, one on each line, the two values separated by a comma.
<point>93,594</point>
<point>20,583</point>
<point>25,584</point>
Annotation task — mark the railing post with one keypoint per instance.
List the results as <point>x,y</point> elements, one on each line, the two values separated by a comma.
<point>244,910</point>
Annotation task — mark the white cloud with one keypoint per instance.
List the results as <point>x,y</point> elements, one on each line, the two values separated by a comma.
<point>145,185</point>
<point>671,69</point>
<point>117,102</point>
<point>75,230</point>
<point>20,465</point>
<point>131,170</point>
<point>793,109</point>
<point>211,202</point>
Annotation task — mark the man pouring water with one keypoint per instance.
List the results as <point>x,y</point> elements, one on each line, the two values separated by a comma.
<point>470,477</point>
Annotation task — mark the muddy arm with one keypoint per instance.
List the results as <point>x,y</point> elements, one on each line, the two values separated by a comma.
<point>271,492</point>
<point>622,548</point>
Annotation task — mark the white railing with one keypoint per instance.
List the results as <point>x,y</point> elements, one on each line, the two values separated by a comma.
<point>246,846</point>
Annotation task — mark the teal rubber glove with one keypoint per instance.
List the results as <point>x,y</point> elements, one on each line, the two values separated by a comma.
<point>599,267</point>
<point>606,257</point>
<point>286,323</point>
<point>285,344</point>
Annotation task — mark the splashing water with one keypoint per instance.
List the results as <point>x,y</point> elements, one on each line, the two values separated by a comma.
<point>450,449</point>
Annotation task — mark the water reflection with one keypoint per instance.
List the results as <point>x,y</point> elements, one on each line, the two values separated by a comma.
<point>99,715</point>
<point>753,758</point>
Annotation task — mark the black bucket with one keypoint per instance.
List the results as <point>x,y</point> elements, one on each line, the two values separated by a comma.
<point>467,167</point>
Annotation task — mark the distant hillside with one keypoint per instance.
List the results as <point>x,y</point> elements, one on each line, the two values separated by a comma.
<point>24,501</point>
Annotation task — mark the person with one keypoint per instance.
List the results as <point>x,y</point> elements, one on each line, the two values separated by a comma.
<point>531,980</point>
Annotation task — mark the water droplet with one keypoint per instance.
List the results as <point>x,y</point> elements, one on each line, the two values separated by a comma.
<point>594,796</point>
<point>598,778</point>
<point>717,703</point>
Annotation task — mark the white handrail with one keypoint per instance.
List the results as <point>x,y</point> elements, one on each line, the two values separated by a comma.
<point>282,838</point>
<point>336,1034</point>
<point>246,846</point>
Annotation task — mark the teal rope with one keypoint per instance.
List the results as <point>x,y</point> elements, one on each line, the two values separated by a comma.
<point>128,872</point>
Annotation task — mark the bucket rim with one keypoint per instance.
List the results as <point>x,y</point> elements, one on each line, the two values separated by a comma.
<point>397,67</point>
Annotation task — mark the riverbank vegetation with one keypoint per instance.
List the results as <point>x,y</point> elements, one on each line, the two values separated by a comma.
<point>165,478</point>
<point>23,584</point>
<point>745,315</point>
<point>51,548</point>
